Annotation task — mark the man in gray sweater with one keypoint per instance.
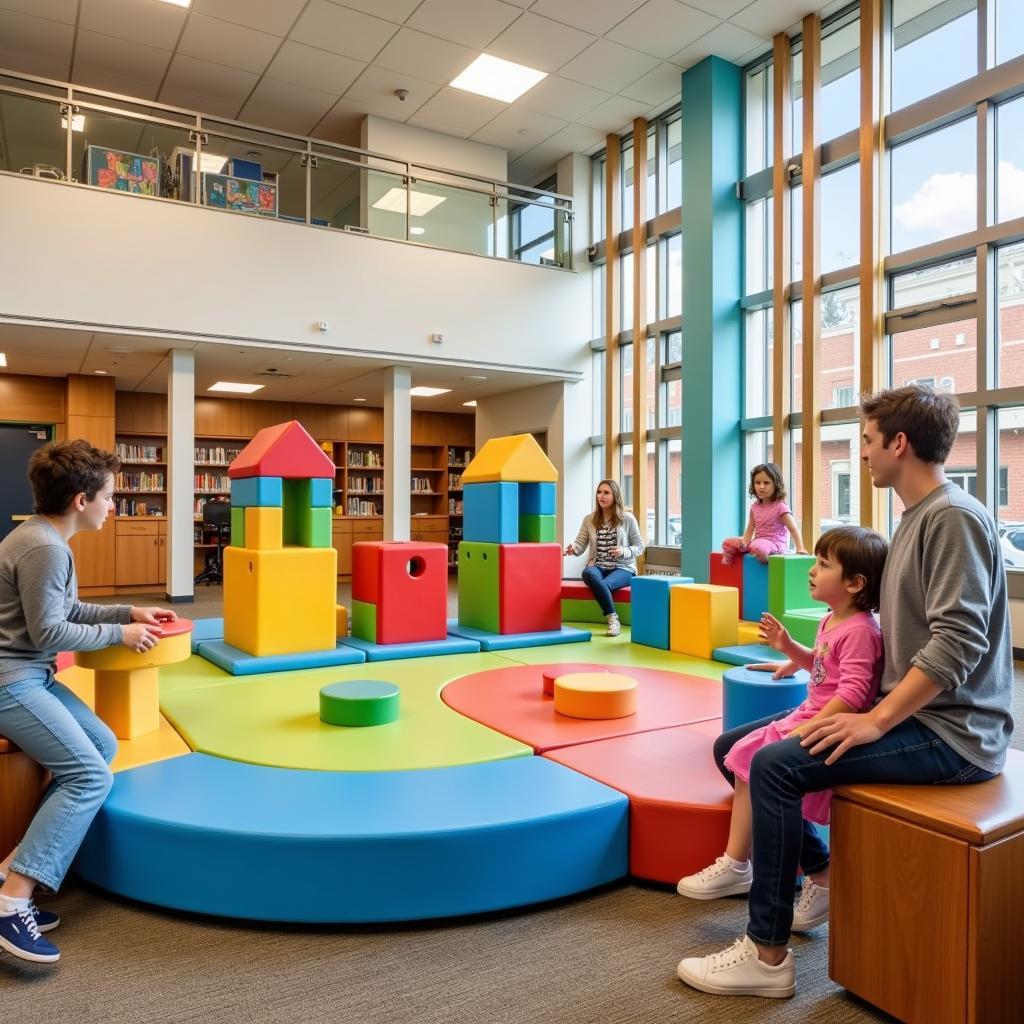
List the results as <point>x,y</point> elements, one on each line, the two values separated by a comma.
<point>943,715</point>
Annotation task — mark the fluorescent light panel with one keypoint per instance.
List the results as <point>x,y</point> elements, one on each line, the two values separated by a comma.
<point>212,163</point>
<point>3,359</point>
<point>471,405</point>
<point>420,203</point>
<point>497,79</point>
<point>178,3</point>
<point>238,389</point>
<point>428,392</point>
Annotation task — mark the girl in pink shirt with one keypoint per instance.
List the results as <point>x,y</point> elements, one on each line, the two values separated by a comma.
<point>769,520</point>
<point>845,667</point>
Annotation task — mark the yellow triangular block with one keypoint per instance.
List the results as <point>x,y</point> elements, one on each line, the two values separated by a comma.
<point>516,459</point>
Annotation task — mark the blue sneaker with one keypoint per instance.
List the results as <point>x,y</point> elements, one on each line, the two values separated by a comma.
<point>19,935</point>
<point>45,920</point>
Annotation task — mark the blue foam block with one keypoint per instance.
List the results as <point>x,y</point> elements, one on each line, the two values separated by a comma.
<point>649,597</point>
<point>196,833</point>
<point>755,589</point>
<point>537,499</point>
<point>745,654</point>
<point>748,696</point>
<point>257,491</point>
<point>491,513</point>
<point>241,663</point>
<point>321,492</point>
<point>422,649</point>
<point>506,641</point>
<point>206,629</point>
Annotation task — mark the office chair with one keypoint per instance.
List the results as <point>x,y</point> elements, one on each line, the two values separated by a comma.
<point>216,518</point>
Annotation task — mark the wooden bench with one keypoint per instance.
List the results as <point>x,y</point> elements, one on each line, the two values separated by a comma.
<point>927,903</point>
<point>22,783</point>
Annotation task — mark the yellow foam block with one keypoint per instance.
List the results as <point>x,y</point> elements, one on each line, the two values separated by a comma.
<point>81,682</point>
<point>516,457</point>
<point>342,614</point>
<point>702,616</point>
<point>264,528</point>
<point>280,602</point>
<point>595,695</point>
<point>748,633</point>
<point>160,745</point>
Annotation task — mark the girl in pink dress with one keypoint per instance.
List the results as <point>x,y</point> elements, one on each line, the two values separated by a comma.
<point>769,520</point>
<point>845,667</point>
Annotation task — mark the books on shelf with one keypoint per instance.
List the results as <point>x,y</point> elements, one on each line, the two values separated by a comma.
<point>207,483</point>
<point>454,481</point>
<point>455,506</point>
<point>130,452</point>
<point>215,455</point>
<point>422,485</point>
<point>359,507</point>
<point>139,481</point>
<point>459,458</point>
<point>362,457</point>
<point>137,507</point>
<point>365,484</point>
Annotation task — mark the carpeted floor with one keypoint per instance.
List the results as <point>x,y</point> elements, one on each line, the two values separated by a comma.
<point>607,958</point>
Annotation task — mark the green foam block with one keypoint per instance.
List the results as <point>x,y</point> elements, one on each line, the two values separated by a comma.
<point>478,586</point>
<point>576,610</point>
<point>364,620</point>
<point>536,529</point>
<point>360,702</point>
<point>787,584</point>
<point>803,624</point>
<point>237,526</point>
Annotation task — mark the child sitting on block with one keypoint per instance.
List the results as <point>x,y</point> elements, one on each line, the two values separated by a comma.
<point>769,520</point>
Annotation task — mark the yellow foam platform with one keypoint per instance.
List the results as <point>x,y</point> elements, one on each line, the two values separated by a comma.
<point>516,458</point>
<point>280,602</point>
<point>264,528</point>
<point>702,616</point>
<point>748,633</point>
<point>598,695</point>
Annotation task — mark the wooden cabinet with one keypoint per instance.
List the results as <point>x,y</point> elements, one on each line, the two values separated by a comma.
<point>161,565</point>
<point>137,552</point>
<point>94,559</point>
<point>348,530</point>
<point>430,529</point>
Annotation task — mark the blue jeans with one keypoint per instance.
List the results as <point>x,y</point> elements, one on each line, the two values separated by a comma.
<point>603,581</point>
<point>57,730</point>
<point>781,773</point>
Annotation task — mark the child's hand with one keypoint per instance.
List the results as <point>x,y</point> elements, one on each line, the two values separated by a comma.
<point>774,633</point>
<point>153,616</point>
<point>778,669</point>
<point>139,637</point>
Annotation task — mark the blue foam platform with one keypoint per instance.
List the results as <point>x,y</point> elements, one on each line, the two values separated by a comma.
<point>206,629</point>
<point>197,833</point>
<point>421,649</point>
<point>506,641</point>
<point>746,654</point>
<point>241,663</point>
<point>749,696</point>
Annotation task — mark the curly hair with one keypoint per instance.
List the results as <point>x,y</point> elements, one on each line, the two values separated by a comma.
<point>60,470</point>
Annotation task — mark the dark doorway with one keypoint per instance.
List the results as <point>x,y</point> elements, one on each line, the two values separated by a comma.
<point>17,443</point>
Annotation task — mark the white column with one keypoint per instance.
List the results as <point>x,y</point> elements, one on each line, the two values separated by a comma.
<point>181,437</point>
<point>397,452</point>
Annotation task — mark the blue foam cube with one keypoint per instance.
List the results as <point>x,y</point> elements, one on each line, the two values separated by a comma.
<point>320,492</point>
<point>649,596</point>
<point>755,589</point>
<point>491,513</point>
<point>257,491</point>
<point>536,499</point>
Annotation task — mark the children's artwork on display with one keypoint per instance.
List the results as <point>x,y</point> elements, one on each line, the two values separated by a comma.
<point>123,172</point>
<point>239,195</point>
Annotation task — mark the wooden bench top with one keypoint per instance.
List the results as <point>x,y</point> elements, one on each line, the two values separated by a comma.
<point>979,814</point>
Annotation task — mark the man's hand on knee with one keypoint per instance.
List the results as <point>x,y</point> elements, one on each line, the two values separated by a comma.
<point>841,732</point>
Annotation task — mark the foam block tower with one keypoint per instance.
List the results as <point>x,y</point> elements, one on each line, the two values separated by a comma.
<point>280,570</point>
<point>509,568</point>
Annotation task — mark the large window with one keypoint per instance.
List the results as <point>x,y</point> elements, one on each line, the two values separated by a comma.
<point>935,45</point>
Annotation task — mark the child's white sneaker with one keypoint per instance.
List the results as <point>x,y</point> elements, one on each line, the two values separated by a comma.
<point>614,626</point>
<point>812,907</point>
<point>725,877</point>
<point>739,971</point>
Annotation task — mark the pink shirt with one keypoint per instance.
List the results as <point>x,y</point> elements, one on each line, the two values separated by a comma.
<point>768,524</point>
<point>847,664</point>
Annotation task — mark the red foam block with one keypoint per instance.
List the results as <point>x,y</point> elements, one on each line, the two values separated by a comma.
<point>579,591</point>
<point>726,575</point>
<point>551,674</point>
<point>529,584</point>
<point>285,450</point>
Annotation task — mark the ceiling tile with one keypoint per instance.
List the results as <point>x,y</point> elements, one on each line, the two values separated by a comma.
<point>289,108</point>
<point>276,18</point>
<point>516,129</point>
<point>474,24</point>
<point>99,76</point>
<point>437,126</point>
<point>393,10</point>
<point>535,165</point>
<point>539,43</point>
<point>151,23</point>
<point>341,123</point>
<point>342,31</point>
<point>662,27</point>
<point>209,88</point>
<point>723,8</point>
<point>459,110</point>
<point>54,10</point>
<point>41,67</point>
<point>613,114</point>
<point>223,43</point>
<point>608,66</point>
<point>95,52</point>
<point>36,37</point>
<point>726,40</point>
<point>657,86</point>
<point>521,3</point>
<point>577,138</point>
<point>313,68</point>
<point>766,17</point>
<point>426,57</point>
<point>597,16</point>
<point>375,89</point>
<point>561,97</point>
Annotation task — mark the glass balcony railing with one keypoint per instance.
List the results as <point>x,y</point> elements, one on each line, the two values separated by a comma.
<point>91,138</point>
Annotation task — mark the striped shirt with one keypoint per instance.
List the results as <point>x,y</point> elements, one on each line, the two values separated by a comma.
<point>605,543</point>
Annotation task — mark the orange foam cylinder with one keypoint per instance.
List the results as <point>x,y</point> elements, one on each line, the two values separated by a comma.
<point>595,695</point>
<point>569,667</point>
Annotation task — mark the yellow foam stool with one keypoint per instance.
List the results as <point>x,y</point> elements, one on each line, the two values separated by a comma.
<point>595,695</point>
<point>128,682</point>
<point>702,616</point>
<point>748,632</point>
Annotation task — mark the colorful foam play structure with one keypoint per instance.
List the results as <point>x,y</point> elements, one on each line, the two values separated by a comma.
<point>789,599</point>
<point>578,604</point>
<point>702,616</point>
<point>649,598</point>
<point>359,703</point>
<point>600,695</point>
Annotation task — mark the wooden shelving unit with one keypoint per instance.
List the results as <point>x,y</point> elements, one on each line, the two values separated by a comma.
<point>459,457</point>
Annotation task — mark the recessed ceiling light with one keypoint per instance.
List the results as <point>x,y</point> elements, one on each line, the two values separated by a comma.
<point>498,79</point>
<point>178,3</point>
<point>420,203</point>
<point>119,350</point>
<point>99,371</point>
<point>240,389</point>
<point>416,231</point>
<point>472,405</point>
<point>3,358</point>
<point>473,376</point>
<point>77,122</point>
<point>358,399</point>
<point>428,392</point>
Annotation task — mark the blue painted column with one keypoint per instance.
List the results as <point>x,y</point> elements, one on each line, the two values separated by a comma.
<point>713,499</point>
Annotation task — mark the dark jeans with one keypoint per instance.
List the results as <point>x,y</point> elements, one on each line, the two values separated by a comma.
<point>603,581</point>
<point>781,773</point>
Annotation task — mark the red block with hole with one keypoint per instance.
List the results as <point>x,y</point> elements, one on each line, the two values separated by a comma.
<point>407,581</point>
<point>530,587</point>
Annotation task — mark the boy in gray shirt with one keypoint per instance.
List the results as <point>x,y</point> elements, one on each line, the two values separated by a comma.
<point>944,710</point>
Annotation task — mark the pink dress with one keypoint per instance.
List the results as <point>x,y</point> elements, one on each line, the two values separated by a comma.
<point>848,665</point>
<point>768,525</point>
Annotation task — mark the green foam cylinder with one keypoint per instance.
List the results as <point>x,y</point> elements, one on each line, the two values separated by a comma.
<point>360,702</point>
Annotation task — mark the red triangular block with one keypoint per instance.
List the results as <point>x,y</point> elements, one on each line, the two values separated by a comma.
<point>286,451</point>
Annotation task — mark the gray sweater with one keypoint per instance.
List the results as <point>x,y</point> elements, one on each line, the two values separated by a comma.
<point>627,537</point>
<point>944,611</point>
<point>40,614</point>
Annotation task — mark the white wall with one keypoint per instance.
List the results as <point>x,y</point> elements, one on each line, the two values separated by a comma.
<point>86,256</point>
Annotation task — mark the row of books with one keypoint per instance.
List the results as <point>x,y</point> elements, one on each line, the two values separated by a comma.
<point>214,455</point>
<point>212,482</point>
<point>459,457</point>
<point>138,452</point>
<point>134,507</point>
<point>454,507</point>
<point>358,458</point>
<point>139,482</point>
<point>421,484</point>
<point>366,484</point>
<point>454,482</point>
<point>359,507</point>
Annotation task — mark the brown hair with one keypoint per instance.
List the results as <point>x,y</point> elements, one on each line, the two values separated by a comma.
<point>60,470</point>
<point>774,473</point>
<point>929,420</point>
<point>859,552</point>
<point>618,509</point>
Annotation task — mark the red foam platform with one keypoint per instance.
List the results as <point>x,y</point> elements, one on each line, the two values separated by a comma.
<point>579,591</point>
<point>512,701</point>
<point>679,804</point>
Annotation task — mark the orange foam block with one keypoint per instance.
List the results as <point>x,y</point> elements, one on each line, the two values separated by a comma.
<point>600,695</point>
<point>549,675</point>
<point>679,804</point>
<point>509,701</point>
